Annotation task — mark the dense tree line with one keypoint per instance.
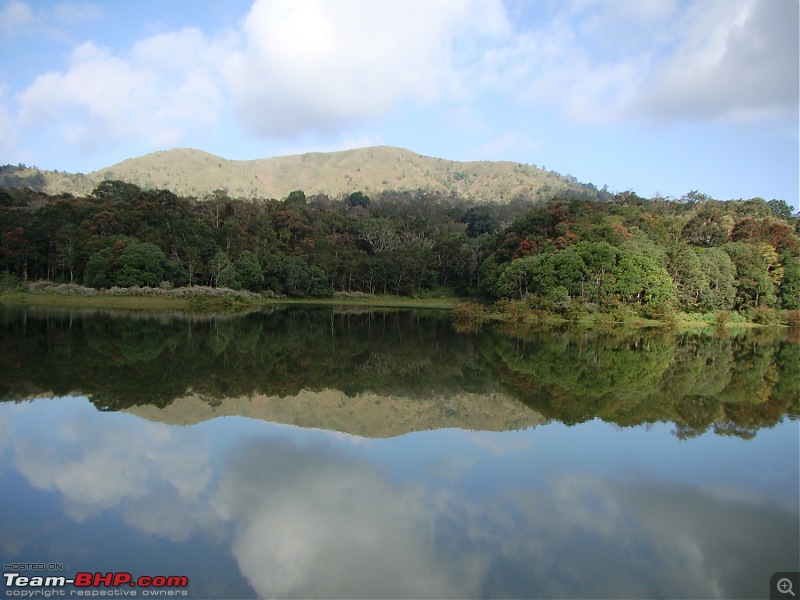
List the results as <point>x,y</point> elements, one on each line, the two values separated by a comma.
<point>124,236</point>
<point>696,253</point>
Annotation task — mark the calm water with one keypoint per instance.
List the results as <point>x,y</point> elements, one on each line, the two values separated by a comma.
<point>342,454</point>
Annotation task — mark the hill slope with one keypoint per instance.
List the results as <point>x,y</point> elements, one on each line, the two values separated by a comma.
<point>189,172</point>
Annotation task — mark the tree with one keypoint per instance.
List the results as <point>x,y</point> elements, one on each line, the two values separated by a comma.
<point>357,199</point>
<point>780,208</point>
<point>297,277</point>
<point>706,229</point>
<point>16,250</point>
<point>753,285</point>
<point>790,284</point>
<point>452,256</point>
<point>223,272</point>
<point>599,259</point>
<point>553,270</point>
<point>687,272</point>
<point>720,275</point>
<point>116,190</point>
<point>296,197</point>
<point>249,269</point>
<point>640,279</point>
<point>141,264</point>
<point>479,220</point>
<point>100,269</point>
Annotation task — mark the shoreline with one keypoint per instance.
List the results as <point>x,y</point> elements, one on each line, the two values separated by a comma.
<point>238,302</point>
<point>233,302</point>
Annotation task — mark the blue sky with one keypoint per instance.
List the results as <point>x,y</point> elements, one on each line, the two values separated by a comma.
<point>655,96</point>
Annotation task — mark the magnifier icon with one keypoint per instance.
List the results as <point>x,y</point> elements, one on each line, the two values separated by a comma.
<point>785,586</point>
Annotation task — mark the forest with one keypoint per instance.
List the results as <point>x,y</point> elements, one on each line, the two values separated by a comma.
<point>693,254</point>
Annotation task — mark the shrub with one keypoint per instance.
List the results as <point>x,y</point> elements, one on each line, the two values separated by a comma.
<point>607,320</point>
<point>350,295</point>
<point>764,315</point>
<point>8,282</point>
<point>516,309</point>
<point>469,313</point>
<point>792,318</point>
<point>195,291</point>
<point>575,310</point>
<point>660,311</point>
<point>721,319</point>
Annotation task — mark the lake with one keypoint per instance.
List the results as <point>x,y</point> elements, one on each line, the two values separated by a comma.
<point>353,453</point>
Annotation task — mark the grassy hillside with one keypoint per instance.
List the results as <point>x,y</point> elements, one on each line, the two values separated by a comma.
<point>189,172</point>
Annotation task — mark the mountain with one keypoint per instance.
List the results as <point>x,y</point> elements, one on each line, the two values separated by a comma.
<point>189,172</point>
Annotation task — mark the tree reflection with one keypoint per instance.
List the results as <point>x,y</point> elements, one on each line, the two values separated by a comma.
<point>733,385</point>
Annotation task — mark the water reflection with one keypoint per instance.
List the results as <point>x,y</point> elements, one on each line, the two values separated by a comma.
<point>583,511</point>
<point>382,454</point>
<point>313,524</point>
<point>381,374</point>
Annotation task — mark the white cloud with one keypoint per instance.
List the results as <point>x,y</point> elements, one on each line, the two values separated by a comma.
<point>14,16</point>
<point>344,143</point>
<point>17,17</point>
<point>312,65</point>
<point>71,13</point>
<point>736,60</point>
<point>604,60</point>
<point>308,70</point>
<point>163,90</point>
<point>8,135</point>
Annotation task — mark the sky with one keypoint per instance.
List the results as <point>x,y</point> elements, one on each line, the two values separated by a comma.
<point>659,97</point>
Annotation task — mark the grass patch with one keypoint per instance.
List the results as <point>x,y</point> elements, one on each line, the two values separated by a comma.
<point>367,300</point>
<point>122,302</point>
<point>195,299</point>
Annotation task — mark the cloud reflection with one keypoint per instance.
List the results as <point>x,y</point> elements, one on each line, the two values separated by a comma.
<point>588,536</point>
<point>309,516</point>
<point>311,524</point>
<point>98,462</point>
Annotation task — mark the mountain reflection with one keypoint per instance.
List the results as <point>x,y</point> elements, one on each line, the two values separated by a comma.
<point>386,373</point>
<point>304,515</point>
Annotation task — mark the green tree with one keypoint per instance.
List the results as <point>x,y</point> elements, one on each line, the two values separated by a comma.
<point>249,270</point>
<point>706,229</point>
<point>516,277</point>
<point>100,269</point>
<point>720,274</point>
<point>223,272</point>
<point>600,259</point>
<point>780,208</point>
<point>141,264</point>
<point>640,279</point>
<point>753,284</point>
<point>296,197</point>
<point>116,190</point>
<point>790,284</point>
<point>358,199</point>
<point>479,220</point>
<point>687,272</point>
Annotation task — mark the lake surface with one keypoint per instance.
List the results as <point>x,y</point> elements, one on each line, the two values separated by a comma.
<point>325,453</point>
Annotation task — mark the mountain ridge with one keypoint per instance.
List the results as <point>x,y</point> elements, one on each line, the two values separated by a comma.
<point>373,169</point>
